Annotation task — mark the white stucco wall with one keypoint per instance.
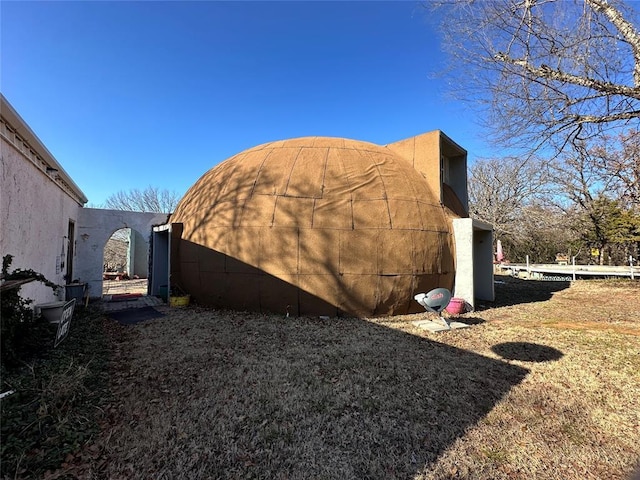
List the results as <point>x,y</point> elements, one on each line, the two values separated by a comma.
<point>35,214</point>
<point>474,260</point>
<point>95,227</point>
<point>38,199</point>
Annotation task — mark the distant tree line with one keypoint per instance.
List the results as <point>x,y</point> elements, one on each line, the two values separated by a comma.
<point>585,203</point>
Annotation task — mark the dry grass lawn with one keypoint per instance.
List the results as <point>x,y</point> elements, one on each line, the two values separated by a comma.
<point>544,385</point>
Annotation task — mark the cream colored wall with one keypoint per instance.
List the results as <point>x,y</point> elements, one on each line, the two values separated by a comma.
<point>423,152</point>
<point>35,214</point>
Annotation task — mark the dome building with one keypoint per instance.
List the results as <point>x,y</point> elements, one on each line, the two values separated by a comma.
<point>323,226</point>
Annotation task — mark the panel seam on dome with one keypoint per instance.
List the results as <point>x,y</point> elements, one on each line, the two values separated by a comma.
<point>233,161</point>
<point>412,186</point>
<point>346,175</point>
<point>253,187</point>
<point>384,187</point>
<point>255,182</point>
<point>324,175</point>
<point>284,192</point>
<point>293,166</point>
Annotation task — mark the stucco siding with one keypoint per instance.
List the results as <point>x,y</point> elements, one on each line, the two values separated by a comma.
<point>96,226</point>
<point>35,215</point>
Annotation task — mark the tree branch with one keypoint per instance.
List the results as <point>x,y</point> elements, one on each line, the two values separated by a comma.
<point>546,72</point>
<point>626,29</point>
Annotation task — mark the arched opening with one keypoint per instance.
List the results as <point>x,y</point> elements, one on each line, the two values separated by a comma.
<point>125,263</point>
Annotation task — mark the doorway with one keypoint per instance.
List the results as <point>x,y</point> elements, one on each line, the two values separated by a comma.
<point>68,274</point>
<point>125,264</point>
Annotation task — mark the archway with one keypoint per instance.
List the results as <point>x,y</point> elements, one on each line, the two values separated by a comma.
<point>95,228</point>
<point>125,263</point>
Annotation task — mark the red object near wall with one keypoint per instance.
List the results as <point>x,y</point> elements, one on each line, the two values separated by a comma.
<point>456,306</point>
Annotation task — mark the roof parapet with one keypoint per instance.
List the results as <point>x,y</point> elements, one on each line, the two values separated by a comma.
<point>18,133</point>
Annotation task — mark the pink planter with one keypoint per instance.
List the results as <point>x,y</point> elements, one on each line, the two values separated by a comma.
<point>456,306</point>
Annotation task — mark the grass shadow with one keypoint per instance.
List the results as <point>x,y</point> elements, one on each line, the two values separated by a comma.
<point>258,396</point>
<point>515,291</point>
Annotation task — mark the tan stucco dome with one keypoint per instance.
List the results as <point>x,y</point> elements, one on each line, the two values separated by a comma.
<point>313,225</point>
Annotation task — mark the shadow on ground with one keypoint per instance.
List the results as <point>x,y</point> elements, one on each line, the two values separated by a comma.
<point>527,352</point>
<point>516,291</point>
<point>238,395</point>
<point>133,316</point>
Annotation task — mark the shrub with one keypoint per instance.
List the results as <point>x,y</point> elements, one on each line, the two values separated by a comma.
<point>21,334</point>
<point>57,401</point>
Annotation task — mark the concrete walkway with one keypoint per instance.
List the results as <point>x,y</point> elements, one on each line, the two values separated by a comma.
<point>114,288</point>
<point>439,326</point>
<point>137,302</point>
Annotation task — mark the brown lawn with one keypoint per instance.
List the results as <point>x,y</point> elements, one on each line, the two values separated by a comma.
<point>544,385</point>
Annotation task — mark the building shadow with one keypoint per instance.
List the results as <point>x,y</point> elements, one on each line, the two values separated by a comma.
<point>516,291</point>
<point>399,400</point>
<point>379,402</point>
<point>327,394</point>
<point>216,279</point>
<point>307,397</point>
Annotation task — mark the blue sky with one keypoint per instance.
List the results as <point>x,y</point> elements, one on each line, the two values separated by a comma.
<point>130,94</point>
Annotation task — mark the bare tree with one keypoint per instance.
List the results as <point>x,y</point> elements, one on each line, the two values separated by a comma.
<point>501,189</point>
<point>618,157</point>
<point>543,233</point>
<point>151,199</point>
<point>547,72</point>
<point>593,189</point>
